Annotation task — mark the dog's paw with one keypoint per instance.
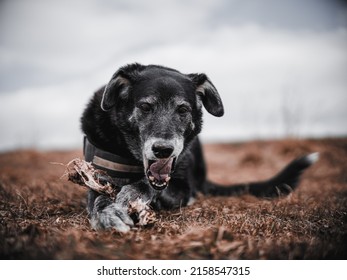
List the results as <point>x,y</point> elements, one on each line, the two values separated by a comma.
<point>112,217</point>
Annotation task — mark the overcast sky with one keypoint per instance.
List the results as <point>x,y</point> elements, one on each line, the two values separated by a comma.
<point>280,66</point>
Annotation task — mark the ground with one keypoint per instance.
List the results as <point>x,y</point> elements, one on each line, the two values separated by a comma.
<point>43,216</point>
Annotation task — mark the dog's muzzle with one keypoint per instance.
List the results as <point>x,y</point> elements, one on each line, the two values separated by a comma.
<point>159,172</point>
<point>159,161</point>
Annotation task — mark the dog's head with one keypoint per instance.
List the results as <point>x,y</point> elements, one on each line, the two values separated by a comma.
<point>159,112</point>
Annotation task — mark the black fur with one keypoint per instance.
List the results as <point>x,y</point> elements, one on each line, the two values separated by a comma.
<point>143,106</point>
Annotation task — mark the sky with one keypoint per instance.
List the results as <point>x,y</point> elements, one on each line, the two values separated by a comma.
<point>280,66</point>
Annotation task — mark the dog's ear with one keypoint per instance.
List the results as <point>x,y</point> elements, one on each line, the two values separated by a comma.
<point>208,94</point>
<point>119,85</point>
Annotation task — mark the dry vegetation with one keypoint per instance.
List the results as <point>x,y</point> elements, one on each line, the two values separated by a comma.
<point>44,217</point>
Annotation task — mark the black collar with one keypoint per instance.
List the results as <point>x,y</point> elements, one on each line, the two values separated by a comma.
<point>115,165</point>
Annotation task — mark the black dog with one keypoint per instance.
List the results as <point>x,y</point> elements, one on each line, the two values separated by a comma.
<point>142,129</point>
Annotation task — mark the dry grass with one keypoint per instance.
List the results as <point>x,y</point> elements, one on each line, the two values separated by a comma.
<point>44,217</point>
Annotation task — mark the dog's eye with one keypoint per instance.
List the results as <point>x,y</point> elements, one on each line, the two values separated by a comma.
<point>145,107</point>
<point>183,110</point>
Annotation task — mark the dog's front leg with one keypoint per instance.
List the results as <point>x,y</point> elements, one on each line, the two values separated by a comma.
<point>114,214</point>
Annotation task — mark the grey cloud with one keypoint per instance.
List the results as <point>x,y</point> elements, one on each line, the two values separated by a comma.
<point>54,54</point>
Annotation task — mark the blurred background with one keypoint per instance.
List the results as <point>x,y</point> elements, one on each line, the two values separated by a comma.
<point>280,66</point>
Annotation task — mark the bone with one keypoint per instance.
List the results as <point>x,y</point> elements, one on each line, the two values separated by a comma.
<point>83,173</point>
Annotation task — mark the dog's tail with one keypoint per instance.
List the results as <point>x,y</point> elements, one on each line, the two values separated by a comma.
<point>281,184</point>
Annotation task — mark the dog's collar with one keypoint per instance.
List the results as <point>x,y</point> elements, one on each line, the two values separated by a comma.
<point>115,165</point>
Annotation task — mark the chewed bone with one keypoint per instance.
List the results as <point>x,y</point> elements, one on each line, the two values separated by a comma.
<point>83,173</point>
<point>146,215</point>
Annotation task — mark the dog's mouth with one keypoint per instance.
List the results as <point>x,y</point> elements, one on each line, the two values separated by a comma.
<point>159,172</point>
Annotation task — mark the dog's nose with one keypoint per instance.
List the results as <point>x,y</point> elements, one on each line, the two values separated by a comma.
<point>162,150</point>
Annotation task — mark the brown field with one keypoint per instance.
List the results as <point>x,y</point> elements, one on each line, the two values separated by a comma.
<point>43,216</point>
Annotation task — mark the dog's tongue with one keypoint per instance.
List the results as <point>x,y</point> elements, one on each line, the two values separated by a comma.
<point>161,169</point>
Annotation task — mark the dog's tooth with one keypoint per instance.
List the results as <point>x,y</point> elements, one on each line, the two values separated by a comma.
<point>156,183</point>
<point>167,179</point>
